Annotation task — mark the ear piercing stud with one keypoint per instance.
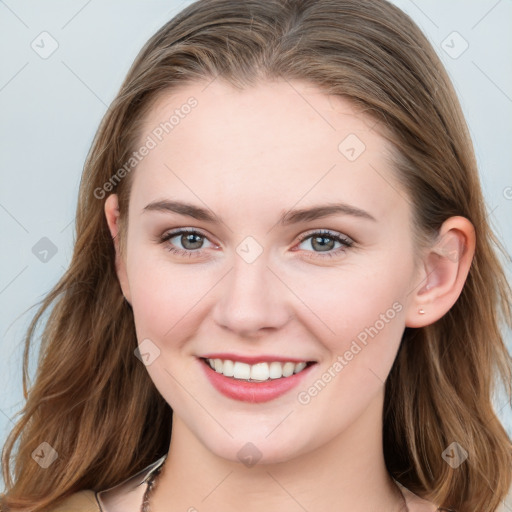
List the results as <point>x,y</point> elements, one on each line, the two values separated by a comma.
<point>421,311</point>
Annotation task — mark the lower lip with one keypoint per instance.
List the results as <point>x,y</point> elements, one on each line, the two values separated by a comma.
<point>253,392</point>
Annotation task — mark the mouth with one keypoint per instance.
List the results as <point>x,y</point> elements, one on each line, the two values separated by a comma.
<point>260,372</point>
<point>254,383</point>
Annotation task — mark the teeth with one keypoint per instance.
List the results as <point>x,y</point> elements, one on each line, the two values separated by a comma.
<point>228,368</point>
<point>299,367</point>
<point>275,370</point>
<point>240,371</point>
<point>256,372</point>
<point>288,369</point>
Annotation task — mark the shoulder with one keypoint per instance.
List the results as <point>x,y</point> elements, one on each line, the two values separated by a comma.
<point>417,504</point>
<point>124,497</point>
<point>81,501</point>
<point>128,495</point>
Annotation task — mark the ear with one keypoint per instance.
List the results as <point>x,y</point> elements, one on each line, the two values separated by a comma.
<point>112,215</point>
<point>443,272</point>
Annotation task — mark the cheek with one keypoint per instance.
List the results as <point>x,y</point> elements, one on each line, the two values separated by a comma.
<point>165,296</point>
<point>349,303</point>
<point>368,318</point>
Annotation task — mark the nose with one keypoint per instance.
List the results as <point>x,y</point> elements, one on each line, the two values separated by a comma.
<point>253,300</point>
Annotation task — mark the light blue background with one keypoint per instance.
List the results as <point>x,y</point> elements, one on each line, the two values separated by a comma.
<point>50,109</point>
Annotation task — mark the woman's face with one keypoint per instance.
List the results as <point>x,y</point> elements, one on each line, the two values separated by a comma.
<point>299,248</point>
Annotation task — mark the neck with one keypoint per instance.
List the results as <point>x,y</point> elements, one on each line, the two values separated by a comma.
<point>346,474</point>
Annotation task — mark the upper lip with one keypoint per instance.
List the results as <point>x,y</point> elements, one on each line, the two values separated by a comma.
<point>255,359</point>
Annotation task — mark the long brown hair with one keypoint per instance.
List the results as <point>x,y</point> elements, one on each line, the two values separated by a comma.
<point>94,403</point>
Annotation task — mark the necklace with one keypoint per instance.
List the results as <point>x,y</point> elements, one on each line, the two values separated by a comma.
<point>151,484</point>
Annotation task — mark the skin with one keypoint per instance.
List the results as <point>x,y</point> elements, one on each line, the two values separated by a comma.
<point>250,156</point>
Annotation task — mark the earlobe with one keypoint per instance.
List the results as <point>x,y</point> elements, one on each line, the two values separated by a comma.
<point>112,216</point>
<point>444,269</point>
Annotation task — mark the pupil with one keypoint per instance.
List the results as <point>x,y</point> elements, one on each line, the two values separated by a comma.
<point>323,246</point>
<point>190,239</point>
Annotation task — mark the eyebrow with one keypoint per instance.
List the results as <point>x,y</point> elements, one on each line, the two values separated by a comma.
<point>286,219</point>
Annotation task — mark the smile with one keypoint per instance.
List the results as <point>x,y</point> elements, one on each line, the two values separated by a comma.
<point>254,383</point>
<point>258,372</point>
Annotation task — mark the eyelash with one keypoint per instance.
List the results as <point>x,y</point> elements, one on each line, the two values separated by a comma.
<point>345,241</point>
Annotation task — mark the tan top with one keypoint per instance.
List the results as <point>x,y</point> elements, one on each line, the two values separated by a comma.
<point>124,497</point>
<point>127,496</point>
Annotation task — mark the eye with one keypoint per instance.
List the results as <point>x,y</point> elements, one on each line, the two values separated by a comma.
<point>190,239</point>
<point>192,243</point>
<point>323,241</point>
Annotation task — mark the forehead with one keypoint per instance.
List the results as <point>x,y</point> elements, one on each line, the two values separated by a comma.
<point>277,143</point>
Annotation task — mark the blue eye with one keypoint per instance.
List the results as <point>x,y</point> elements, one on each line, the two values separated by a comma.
<point>322,242</point>
<point>325,240</point>
<point>189,238</point>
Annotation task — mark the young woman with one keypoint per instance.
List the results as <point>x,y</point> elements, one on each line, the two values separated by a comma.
<point>284,293</point>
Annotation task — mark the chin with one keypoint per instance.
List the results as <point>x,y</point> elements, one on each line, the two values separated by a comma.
<point>257,449</point>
